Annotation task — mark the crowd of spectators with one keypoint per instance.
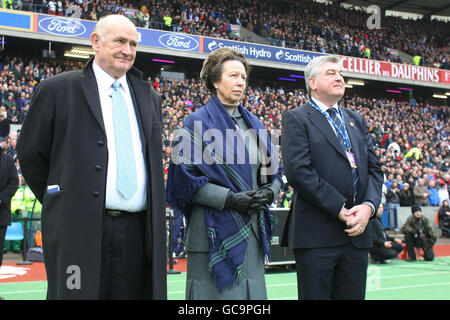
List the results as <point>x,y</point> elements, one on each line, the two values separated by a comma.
<point>412,141</point>
<point>305,25</point>
<point>18,78</point>
<point>411,137</point>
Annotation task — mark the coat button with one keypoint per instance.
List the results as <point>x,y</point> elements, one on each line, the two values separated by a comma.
<point>100,143</point>
<point>96,194</point>
<point>350,193</point>
<point>98,167</point>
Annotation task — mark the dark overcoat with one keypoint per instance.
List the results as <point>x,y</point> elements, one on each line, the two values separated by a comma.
<point>9,182</point>
<point>63,142</point>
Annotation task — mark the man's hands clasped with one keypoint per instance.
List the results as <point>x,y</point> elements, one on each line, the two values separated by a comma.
<point>356,219</point>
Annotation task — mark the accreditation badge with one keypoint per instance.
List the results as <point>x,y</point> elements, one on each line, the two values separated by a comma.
<point>351,158</point>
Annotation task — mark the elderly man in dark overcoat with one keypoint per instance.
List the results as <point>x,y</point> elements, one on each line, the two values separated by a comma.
<point>90,149</point>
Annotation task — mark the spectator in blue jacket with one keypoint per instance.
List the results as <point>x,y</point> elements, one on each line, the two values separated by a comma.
<point>433,198</point>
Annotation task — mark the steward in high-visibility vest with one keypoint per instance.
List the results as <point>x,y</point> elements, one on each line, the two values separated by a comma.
<point>168,22</point>
<point>287,197</point>
<point>23,204</point>
<point>32,205</point>
<point>18,203</point>
<point>33,208</point>
<point>17,207</point>
<point>7,4</point>
<point>416,152</point>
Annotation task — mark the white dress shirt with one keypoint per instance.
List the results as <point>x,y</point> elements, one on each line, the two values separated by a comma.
<point>324,108</point>
<point>114,200</point>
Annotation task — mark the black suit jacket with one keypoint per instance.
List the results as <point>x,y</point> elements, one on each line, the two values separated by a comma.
<point>378,233</point>
<point>9,182</point>
<point>317,168</point>
<point>63,142</point>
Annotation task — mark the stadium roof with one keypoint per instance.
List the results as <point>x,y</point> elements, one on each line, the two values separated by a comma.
<point>429,7</point>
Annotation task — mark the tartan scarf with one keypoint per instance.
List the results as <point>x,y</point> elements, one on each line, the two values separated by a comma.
<point>227,230</point>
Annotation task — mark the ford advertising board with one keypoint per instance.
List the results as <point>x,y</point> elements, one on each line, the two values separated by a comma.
<point>179,42</point>
<point>65,26</point>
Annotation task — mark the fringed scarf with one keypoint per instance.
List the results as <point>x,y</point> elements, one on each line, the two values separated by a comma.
<point>197,159</point>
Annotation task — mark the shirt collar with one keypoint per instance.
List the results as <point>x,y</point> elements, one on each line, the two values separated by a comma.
<point>236,114</point>
<point>323,106</point>
<point>105,81</point>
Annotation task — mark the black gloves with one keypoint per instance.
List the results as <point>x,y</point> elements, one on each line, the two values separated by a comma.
<point>240,201</point>
<point>245,201</point>
<point>262,198</point>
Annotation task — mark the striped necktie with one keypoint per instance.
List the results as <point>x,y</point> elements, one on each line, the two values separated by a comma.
<point>333,114</point>
<point>126,167</point>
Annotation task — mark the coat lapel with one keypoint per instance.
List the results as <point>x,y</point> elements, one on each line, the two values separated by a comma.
<point>143,108</point>
<point>90,89</point>
<point>321,123</point>
<point>144,104</point>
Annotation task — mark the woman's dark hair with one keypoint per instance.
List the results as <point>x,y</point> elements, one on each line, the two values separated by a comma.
<point>213,66</point>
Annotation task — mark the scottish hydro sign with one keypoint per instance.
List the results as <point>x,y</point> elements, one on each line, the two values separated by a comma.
<point>261,52</point>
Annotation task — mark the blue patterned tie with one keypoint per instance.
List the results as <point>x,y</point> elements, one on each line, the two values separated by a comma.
<point>333,114</point>
<point>126,166</point>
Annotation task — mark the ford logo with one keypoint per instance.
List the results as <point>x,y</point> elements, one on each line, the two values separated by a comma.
<point>64,27</point>
<point>179,42</point>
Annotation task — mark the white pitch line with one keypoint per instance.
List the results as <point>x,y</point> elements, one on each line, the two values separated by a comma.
<point>409,275</point>
<point>413,286</point>
<point>409,265</point>
<point>378,277</point>
<point>22,291</point>
<point>176,292</point>
<point>176,281</point>
<point>282,284</point>
<point>281,274</point>
<point>285,298</point>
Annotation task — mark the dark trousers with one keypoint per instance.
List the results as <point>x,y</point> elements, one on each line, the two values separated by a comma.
<point>383,253</point>
<point>123,257</point>
<point>2,242</point>
<point>331,273</point>
<point>412,242</point>
<point>444,225</point>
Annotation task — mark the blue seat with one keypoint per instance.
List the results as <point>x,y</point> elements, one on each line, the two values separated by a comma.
<point>390,219</point>
<point>14,231</point>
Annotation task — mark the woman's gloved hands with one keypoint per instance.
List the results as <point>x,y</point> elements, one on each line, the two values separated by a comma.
<point>263,197</point>
<point>245,201</point>
<point>240,201</point>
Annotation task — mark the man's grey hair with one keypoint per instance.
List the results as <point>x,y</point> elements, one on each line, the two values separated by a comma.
<point>102,25</point>
<point>313,67</point>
